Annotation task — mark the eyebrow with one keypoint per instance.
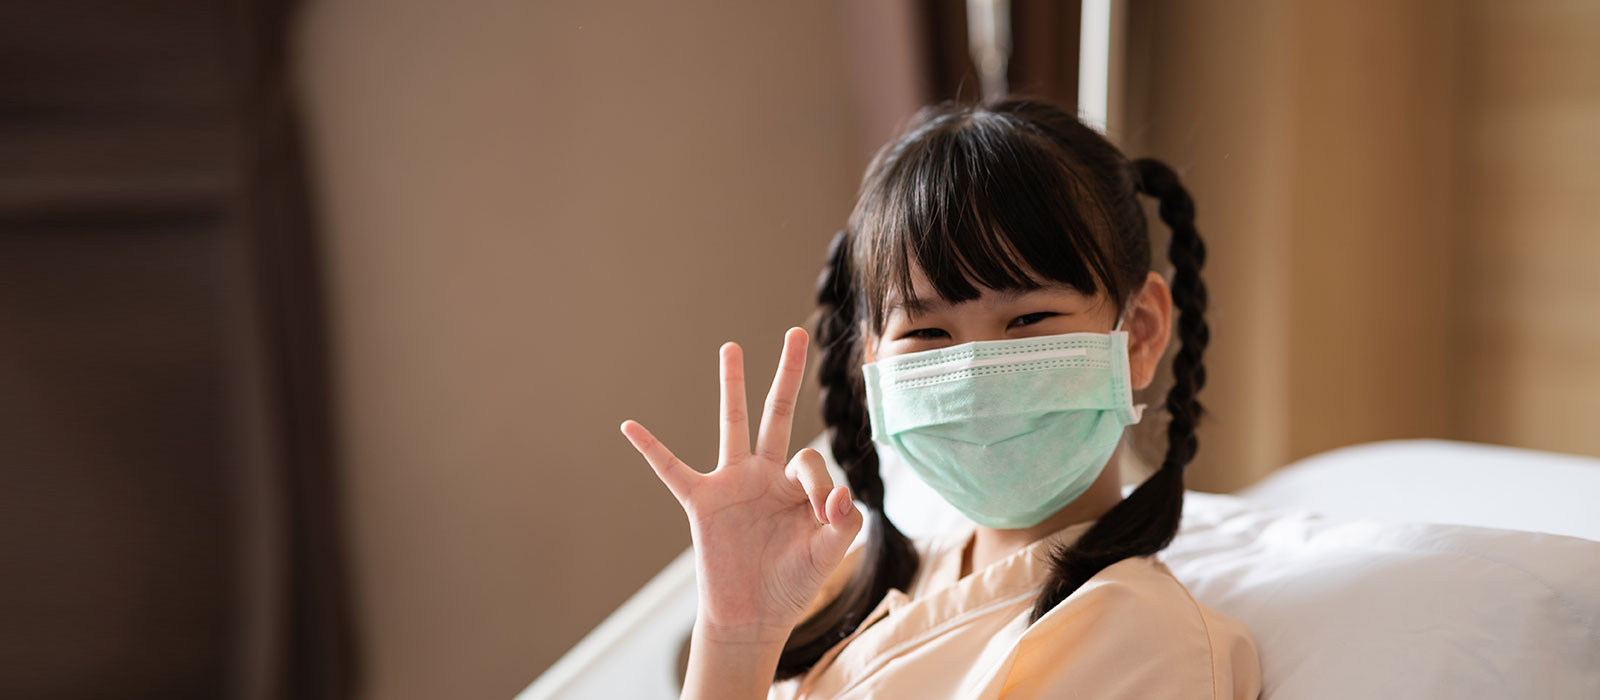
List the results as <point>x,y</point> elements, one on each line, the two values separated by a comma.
<point>918,306</point>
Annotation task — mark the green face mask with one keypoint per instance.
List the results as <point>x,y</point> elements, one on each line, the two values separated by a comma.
<point>1007,431</point>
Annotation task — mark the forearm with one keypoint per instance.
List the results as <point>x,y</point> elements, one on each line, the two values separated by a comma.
<point>729,667</point>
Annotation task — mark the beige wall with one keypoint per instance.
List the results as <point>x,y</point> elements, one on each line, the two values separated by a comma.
<point>1396,200</point>
<point>544,218</point>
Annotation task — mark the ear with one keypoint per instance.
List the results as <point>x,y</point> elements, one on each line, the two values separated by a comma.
<point>1149,327</point>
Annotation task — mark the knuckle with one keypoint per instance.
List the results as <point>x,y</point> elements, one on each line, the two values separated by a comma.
<point>796,465</point>
<point>734,415</point>
<point>808,462</point>
<point>781,407</point>
<point>811,456</point>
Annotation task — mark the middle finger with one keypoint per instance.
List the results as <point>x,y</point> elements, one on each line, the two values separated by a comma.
<point>778,418</point>
<point>735,426</point>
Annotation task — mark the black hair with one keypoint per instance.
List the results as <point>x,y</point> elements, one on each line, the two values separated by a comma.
<point>1009,194</point>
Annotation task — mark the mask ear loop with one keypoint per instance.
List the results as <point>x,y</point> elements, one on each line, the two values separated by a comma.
<point>1127,310</point>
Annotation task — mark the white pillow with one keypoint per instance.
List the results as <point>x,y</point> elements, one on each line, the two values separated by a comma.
<point>1363,609</point>
<point>1444,481</point>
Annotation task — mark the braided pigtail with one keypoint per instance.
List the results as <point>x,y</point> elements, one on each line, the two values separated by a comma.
<point>1146,521</point>
<point>889,560</point>
<point>1188,254</point>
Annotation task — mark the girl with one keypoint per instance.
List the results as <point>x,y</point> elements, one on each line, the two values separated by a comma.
<point>986,315</point>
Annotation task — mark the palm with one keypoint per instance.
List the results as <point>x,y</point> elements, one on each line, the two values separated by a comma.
<point>755,537</point>
<point>765,536</point>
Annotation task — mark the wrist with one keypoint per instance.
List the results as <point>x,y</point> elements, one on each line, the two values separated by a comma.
<point>733,664</point>
<point>750,636</point>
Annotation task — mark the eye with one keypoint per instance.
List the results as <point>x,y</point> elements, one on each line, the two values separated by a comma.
<point>925,333</point>
<point>1033,318</point>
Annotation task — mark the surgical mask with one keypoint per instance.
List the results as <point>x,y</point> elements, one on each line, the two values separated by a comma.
<point>1008,432</point>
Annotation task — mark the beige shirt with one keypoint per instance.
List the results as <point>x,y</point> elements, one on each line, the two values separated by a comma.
<point>1131,631</point>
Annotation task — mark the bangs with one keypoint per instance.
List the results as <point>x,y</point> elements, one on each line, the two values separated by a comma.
<point>976,202</point>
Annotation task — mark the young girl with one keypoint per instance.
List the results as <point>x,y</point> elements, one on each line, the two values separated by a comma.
<point>985,317</point>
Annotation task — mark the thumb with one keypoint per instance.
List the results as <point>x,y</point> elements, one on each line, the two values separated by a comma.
<point>832,540</point>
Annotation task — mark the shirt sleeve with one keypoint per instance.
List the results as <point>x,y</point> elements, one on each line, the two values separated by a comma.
<point>1132,631</point>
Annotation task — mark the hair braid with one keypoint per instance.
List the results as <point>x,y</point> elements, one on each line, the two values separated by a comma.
<point>1188,254</point>
<point>1146,521</point>
<point>891,560</point>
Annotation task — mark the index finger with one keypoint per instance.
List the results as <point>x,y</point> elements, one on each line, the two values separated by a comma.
<point>678,477</point>
<point>778,418</point>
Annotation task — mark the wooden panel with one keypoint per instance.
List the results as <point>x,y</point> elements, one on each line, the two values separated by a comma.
<point>1396,197</point>
<point>1369,238</point>
<point>1206,94</point>
<point>1529,311</point>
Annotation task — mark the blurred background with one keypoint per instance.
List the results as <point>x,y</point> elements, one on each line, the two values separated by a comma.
<point>318,318</point>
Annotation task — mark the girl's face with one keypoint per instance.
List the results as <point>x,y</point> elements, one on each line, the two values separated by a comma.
<point>929,322</point>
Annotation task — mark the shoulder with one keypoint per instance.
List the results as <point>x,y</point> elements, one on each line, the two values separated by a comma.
<point>1133,630</point>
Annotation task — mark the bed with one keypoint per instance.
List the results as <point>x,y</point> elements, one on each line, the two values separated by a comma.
<point>1415,568</point>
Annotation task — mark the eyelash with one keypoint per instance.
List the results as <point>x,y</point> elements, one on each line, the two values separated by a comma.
<point>916,333</point>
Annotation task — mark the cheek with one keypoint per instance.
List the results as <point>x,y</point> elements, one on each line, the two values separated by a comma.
<point>890,347</point>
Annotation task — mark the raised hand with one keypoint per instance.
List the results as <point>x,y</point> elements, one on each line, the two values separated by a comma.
<point>766,534</point>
